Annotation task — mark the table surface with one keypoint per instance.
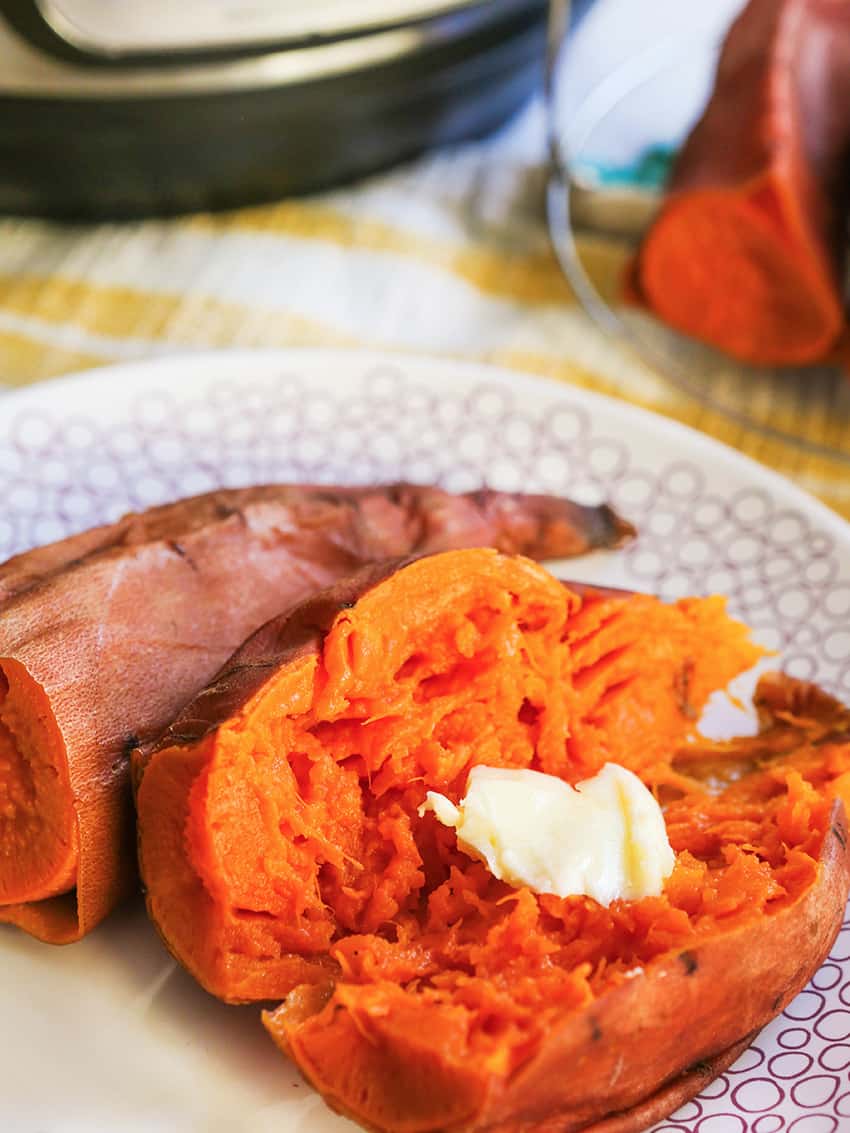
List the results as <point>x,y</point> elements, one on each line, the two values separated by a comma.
<point>447,255</point>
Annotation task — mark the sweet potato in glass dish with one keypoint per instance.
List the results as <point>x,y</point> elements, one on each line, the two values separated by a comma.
<point>747,252</point>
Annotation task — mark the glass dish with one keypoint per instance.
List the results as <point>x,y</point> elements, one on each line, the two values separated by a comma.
<point>610,146</point>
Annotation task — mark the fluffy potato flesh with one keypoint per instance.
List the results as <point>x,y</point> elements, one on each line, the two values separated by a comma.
<point>284,856</point>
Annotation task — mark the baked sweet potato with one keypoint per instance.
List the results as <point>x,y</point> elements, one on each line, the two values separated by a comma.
<point>283,851</point>
<point>106,635</point>
<point>748,250</point>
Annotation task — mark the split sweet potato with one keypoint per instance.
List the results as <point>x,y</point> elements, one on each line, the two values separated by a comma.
<point>284,855</point>
<point>748,250</point>
<point>106,635</point>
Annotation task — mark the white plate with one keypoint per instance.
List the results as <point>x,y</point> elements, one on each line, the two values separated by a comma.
<point>108,1034</point>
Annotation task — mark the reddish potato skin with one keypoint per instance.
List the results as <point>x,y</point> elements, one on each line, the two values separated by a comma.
<point>123,624</point>
<point>686,1016</point>
<point>359,524</point>
<point>674,1094</point>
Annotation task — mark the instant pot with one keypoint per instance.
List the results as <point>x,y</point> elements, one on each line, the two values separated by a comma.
<point>121,108</point>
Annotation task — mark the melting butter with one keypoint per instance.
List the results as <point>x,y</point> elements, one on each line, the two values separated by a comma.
<point>604,838</point>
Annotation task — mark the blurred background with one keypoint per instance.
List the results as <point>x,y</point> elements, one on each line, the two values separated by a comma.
<point>464,179</point>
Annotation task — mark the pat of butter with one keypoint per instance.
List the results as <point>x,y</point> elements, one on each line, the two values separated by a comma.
<point>604,838</point>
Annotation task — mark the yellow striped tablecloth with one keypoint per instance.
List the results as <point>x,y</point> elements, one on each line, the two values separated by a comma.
<point>448,255</point>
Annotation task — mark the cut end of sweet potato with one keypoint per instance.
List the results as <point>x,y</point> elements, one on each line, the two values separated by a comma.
<point>39,842</point>
<point>731,269</point>
<point>748,250</point>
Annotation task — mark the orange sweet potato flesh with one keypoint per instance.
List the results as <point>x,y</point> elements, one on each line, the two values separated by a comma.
<point>283,855</point>
<point>747,251</point>
<point>106,635</point>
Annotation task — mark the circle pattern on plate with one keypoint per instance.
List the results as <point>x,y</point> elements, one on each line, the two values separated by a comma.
<point>784,572</point>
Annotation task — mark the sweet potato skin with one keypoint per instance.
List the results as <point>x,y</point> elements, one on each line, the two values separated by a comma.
<point>359,525</point>
<point>700,1006</point>
<point>672,1095</point>
<point>99,618</point>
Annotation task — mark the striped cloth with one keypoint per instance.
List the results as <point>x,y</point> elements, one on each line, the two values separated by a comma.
<point>448,255</point>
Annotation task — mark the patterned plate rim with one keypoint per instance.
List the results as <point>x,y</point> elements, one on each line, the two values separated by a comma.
<point>204,366</point>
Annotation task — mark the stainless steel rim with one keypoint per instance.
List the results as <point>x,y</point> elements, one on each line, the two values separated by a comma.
<point>296,25</point>
<point>30,72</point>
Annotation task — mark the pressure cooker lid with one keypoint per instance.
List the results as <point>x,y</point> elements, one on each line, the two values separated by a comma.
<point>125,31</point>
<point>108,113</point>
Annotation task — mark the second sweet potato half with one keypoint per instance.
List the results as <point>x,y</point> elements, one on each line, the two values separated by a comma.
<point>285,856</point>
<point>105,636</point>
<point>748,250</point>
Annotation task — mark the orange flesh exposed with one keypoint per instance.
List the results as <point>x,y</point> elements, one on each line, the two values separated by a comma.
<point>727,268</point>
<point>286,846</point>
<point>747,250</point>
<point>38,826</point>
